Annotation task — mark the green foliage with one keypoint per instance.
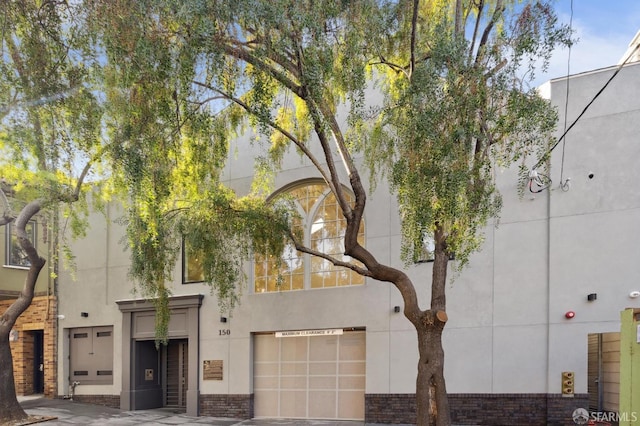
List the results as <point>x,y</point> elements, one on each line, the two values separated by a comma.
<point>50,110</point>
<point>183,79</point>
<point>457,112</point>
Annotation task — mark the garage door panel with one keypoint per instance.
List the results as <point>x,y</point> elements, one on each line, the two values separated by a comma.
<point>352,368</point>
<point>323,348</point>
<point>322,382</point>
<point>266,403</point>
<point>288,382</point>
<point>266,382</point>
<point>322,404</point>
<point>293,349</point>
<point>321,377</point>
<point>352,347</point>
<point>267,347</point>
<point>351,382</point>
<point>293,368</point>
<point>266,369</point>
<point>293,404</point>
<point>322,368</point>
<point>350,404</point>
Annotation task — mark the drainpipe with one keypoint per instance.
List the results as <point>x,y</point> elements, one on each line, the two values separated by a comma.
<point>54,264</point>
<point>72,389</point>
<point>547,383</point>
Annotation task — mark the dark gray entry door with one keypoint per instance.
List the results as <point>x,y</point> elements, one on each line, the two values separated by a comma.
<point>147,385</point>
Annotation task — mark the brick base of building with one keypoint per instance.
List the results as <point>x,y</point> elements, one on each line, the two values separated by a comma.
<point>234,406</point>
<point>112,401</point>
<point>481,409</point>
<point>38,319</point>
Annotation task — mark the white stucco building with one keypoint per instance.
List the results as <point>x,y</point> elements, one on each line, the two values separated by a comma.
<point>507,341</point>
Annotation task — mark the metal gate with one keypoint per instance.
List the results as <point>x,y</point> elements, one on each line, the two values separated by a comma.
<point>177,367</point>
<point>603,371</point>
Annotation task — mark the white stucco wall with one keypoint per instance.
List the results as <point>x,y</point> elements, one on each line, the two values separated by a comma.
<point>507,332</point>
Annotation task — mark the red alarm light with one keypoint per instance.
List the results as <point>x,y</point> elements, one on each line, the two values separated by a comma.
<point>569,314</point>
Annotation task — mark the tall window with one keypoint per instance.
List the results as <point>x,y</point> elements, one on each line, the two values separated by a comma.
<point>15,255</point>
<point>323,228</point>
<point>192,271</point>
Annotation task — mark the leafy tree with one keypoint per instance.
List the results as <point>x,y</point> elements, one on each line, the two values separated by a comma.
<point>49,128</point>
<point>186,77</point>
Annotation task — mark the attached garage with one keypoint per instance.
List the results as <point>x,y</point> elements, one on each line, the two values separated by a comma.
<point>314,374</point>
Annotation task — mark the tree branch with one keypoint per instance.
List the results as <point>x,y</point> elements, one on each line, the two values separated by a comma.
<point>272,124</point>
<point>303,249</point>
<point>458,24</point>
<point>487,31</point>
<point>414,29</point>
<point>334,181</point>
<point>391,65</point>
<point>7,216</point>
<point>476,27</point>
<point>23,301</point>
<point>262,65</point>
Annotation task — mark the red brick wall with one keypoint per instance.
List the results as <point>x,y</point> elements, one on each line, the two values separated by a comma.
<point>112,401</point>
<point>481,409</point>
<point>238,406</point>
<point>41,315</point>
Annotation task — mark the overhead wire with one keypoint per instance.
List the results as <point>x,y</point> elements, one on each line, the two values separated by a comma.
<point>544,158</point>
<point>534,176</point>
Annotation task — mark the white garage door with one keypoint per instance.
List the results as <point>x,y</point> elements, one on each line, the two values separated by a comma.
<point>317,377</point>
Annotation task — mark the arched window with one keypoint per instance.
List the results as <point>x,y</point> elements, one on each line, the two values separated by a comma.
<point>323,228</point>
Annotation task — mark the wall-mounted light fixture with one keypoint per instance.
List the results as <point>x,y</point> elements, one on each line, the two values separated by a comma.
<point>592,296</point>
<point>396,309</point>
<point>84,314</point>
<point>634,294</point>
<point>569,315</point>
<point>223,319</point>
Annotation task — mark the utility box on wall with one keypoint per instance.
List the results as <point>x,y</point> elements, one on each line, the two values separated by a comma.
<point>568,383</point>
<point>629,367</point>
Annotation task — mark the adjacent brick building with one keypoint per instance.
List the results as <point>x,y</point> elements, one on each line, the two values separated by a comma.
<point>33,338</point>
<point>35,344</point>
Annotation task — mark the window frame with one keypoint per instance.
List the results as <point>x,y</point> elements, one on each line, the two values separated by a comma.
<point>309,219</point>
<point>10,237</point>
<point>185,264</point>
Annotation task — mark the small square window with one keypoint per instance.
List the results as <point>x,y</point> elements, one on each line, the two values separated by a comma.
<point>15,255</point>
<point>428,249</point>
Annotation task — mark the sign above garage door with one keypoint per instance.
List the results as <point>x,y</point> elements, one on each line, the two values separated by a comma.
<point>301,333</point>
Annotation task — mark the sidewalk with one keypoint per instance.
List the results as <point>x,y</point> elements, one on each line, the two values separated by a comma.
<point>76,413</point>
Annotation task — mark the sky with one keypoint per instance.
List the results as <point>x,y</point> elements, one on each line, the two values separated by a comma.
<point>604,29</point>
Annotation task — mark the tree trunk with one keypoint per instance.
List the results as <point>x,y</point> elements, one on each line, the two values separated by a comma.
<point>431,391</point>
<point>10,409</point>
